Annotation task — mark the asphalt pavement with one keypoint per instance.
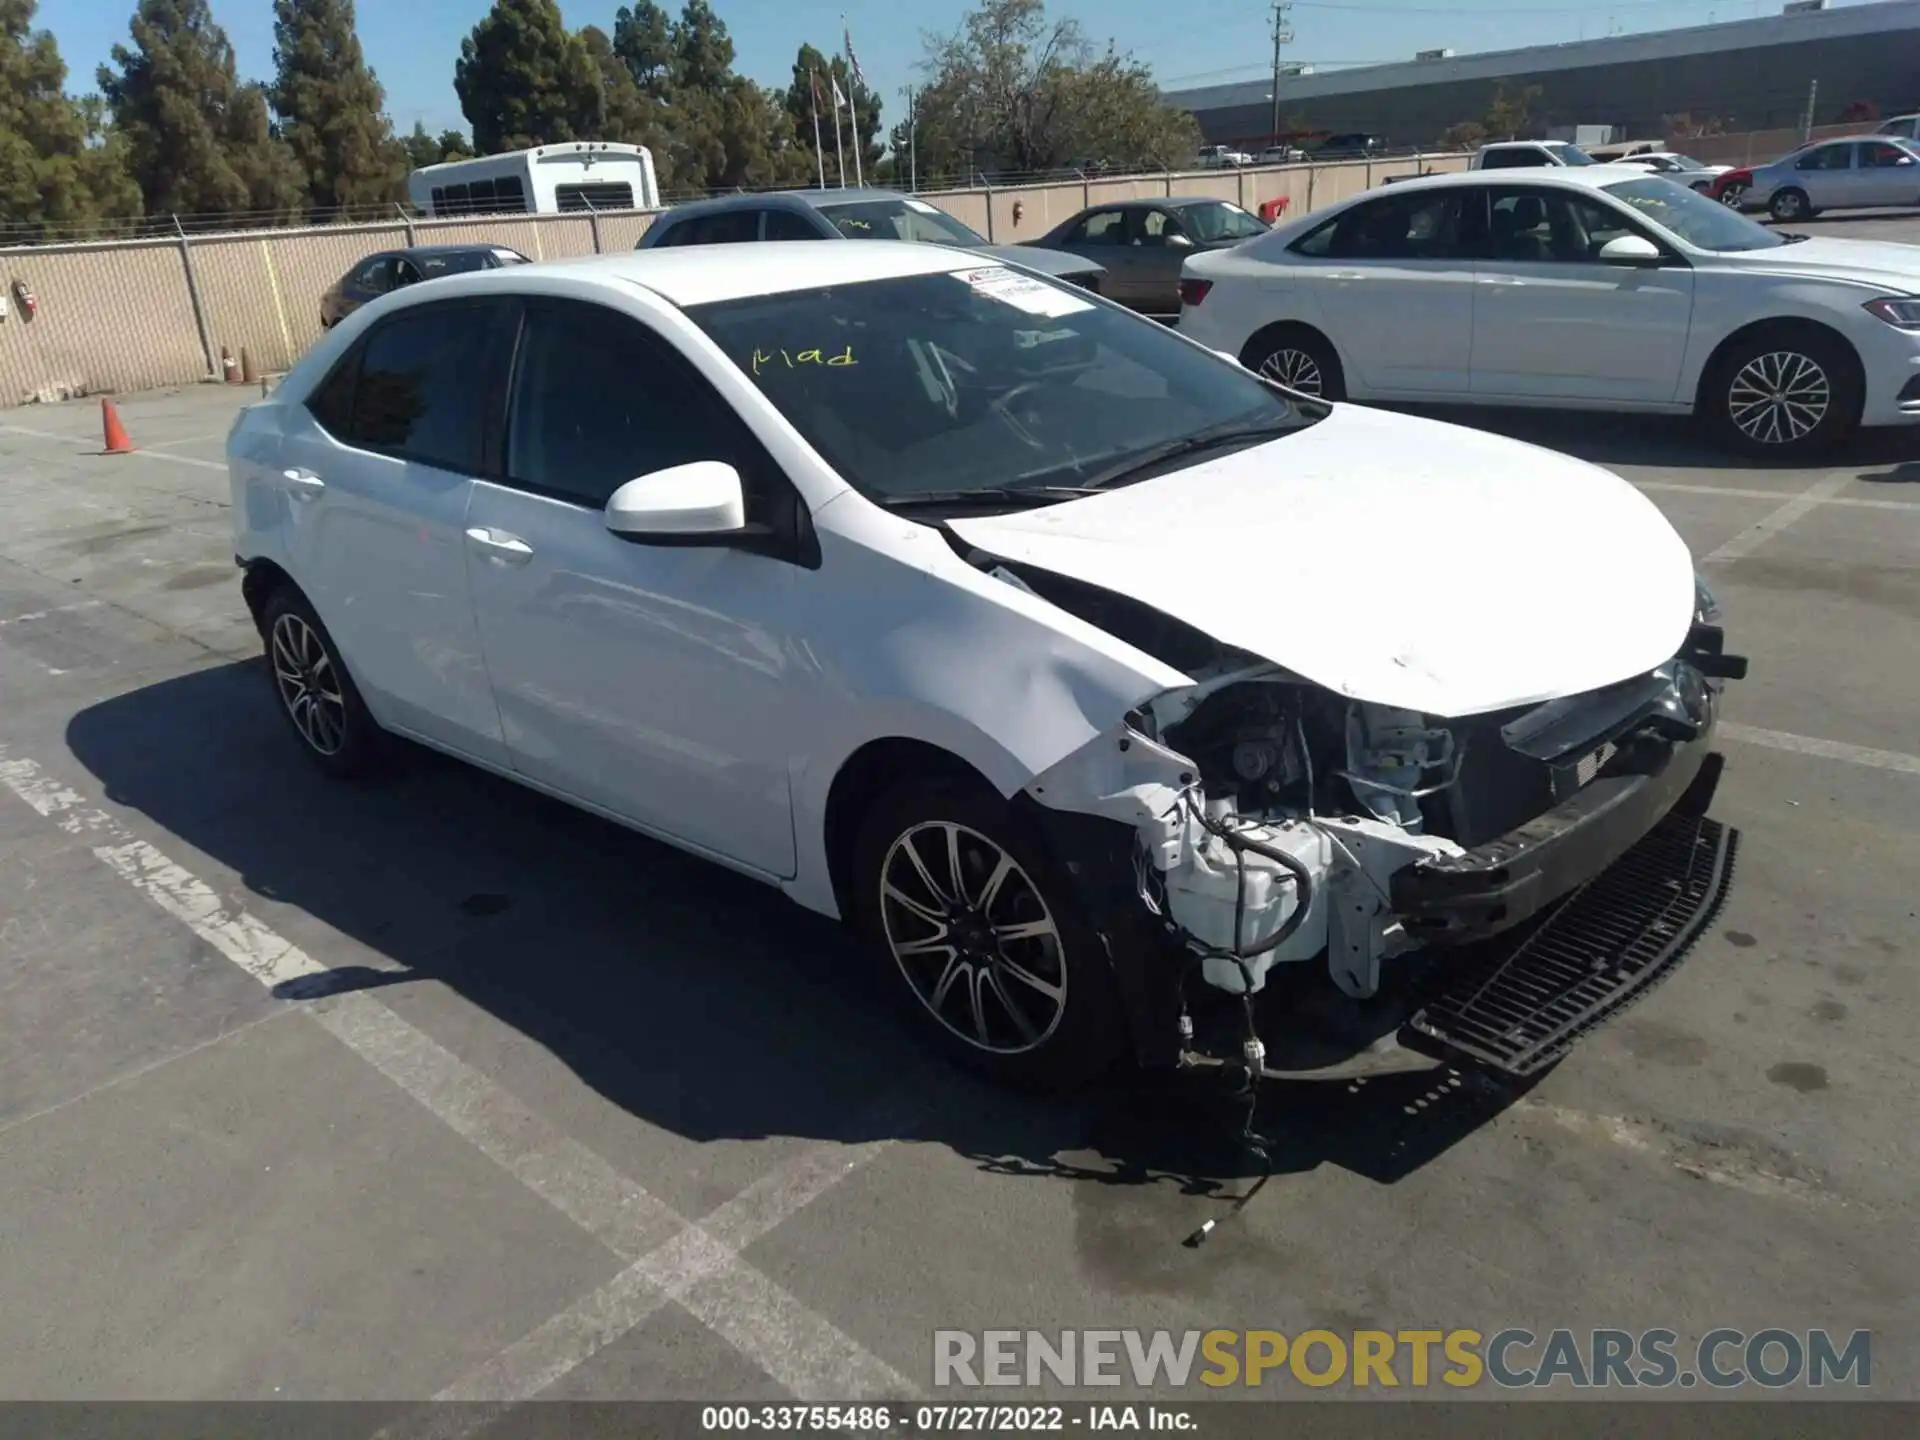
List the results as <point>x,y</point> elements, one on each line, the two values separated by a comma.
<point>436,1088</point>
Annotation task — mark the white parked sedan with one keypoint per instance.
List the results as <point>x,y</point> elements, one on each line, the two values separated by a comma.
<point>1050,649</point>
<point>1598,287</point>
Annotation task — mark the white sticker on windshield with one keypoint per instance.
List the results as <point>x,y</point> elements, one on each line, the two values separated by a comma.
<point>1028,295</point>
<point>923,207</point>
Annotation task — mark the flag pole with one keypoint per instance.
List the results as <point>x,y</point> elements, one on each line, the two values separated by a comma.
<point>819,155</point>
<point>839,155</point>
<point>913,147</point>
<point>853,99</point>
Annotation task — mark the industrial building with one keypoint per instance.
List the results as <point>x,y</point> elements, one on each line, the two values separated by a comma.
<point>1752,74</point>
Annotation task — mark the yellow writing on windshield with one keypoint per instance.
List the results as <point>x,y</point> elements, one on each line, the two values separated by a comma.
<point>793,359</point>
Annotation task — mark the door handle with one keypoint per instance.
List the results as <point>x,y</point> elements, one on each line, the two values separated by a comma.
<point>1346,275</point>
<point>501,548</point>
<point>303,484</point>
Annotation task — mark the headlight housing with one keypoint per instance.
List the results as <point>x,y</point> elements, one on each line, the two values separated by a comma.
<point>1706,606</point>
<point>1902,314</point>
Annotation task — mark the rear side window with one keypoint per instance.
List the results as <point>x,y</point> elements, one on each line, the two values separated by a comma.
<point>415,388</point>
<point>1512,159</point>
<point>1400,227</point>
<point>598,401</point>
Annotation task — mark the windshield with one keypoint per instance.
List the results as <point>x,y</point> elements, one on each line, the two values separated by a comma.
<point>899,220</point>
<point>1687,162</point>
<point>1571,154</point>
<point>1217,220</point>
<point>1704,224</point>
<point>985,381</point>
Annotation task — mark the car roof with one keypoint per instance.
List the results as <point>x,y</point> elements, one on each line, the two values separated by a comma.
<point>465,249</point>
<point>702,274</point>
<point>1571,177</point>
<point>782,200</point>
<point>1159,202</point>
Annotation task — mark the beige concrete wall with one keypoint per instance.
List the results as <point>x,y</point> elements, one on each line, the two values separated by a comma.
<point>121,316</point>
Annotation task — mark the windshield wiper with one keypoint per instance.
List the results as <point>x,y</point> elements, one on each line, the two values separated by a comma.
<point>1186,445</point>
<point>1019,495</point>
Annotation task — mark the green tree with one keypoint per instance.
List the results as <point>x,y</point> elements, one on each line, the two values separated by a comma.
<point>331,108</point>
<point>1510,116</point>
<point>524,80</point>
<point>1010,90</point>
<point>198,141</point>
<point>420,147</point>
<point>1467,135</point>
<point>60,164</point>
<point>643,39</point>
<point>455,146</point>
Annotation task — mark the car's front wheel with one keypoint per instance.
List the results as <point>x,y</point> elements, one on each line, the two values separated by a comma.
<point>316,694</point>
<point>971,913</point>
<point>1734,197</point>
<point>1784,392</point>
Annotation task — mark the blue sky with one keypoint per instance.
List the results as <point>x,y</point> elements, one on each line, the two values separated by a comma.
<point>412,43</point>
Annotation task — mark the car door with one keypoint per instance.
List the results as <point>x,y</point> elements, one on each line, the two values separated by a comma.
<point>379,469</point>
<point>1551,319</point>
<point>1885,174</point>
<point>1158,245</point>
<point>647,680</point>
<point>1393,280</point>
<point>1826,173</point>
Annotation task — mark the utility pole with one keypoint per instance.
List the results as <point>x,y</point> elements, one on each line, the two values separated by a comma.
<point>1281,36</point>
<point>1806,121</point>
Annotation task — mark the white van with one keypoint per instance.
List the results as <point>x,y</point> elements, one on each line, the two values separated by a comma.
<point>546,180</point>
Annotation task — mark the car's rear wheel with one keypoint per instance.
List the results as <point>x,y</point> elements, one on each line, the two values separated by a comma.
<point>1299,358</point>
<point>1734,197</point>
<point>1789,204</point>
<point>316,694</point>
<point>1785,392</point>
<point>976,920</point>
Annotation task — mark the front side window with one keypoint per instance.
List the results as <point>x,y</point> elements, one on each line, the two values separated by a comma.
<point>375,275</point>
<point>598,401</point>
<point>1396,227</point>
<point>785,225</point>
<point>1702,223</point>
<point>418,394</point>
<point>983,380</point>
<point>1532,226</point>
<point>902,219</point>
<point>1216,220</point>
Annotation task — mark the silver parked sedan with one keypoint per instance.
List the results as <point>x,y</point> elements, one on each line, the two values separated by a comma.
<point>1857,172</point>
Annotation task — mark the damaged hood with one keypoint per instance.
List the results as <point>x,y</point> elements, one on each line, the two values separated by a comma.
<point>1394,560</point>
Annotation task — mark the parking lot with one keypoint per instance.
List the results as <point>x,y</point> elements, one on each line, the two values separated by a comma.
<point>435,1088</point>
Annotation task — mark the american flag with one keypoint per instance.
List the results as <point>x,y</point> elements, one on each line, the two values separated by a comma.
<point>853,61</point>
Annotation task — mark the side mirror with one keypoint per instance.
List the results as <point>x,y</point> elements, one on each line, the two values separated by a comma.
<point>1177,241</point>
<point>1632,250</point>
<point>700,503</point>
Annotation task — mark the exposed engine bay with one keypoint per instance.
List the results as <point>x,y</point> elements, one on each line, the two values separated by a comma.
<point>1274,816</point>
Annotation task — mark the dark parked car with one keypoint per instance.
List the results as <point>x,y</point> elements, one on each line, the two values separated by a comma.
<point>849,215</point>
<point>1354,146</point>
<point>390,269</point>
<point>1142,243</point>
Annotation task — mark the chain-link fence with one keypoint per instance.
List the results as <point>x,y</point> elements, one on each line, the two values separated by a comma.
<point>128,314</point>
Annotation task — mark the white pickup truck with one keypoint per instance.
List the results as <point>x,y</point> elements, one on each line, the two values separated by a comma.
<point>1519,154</point>
<point>1222,157</point>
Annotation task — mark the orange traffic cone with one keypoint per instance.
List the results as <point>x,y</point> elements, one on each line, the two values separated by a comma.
<point>117,441</point>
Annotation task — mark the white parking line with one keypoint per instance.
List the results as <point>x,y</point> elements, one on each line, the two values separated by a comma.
<point>1825,749</point>
<point>1736,492</point>
<point>1771,524</point>
<point>150,454</point>
<point>670,1258</point>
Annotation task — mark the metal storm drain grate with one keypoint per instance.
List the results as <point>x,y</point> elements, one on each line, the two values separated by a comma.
<point>1614,938</point>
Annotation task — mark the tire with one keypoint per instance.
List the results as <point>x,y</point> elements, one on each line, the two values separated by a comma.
<point>1298,357</point>
<point>1789,204</point>
<point>1037,1011</point>
<point>314,692</point>
<point>1818,368</point>
<point>1734,197</point>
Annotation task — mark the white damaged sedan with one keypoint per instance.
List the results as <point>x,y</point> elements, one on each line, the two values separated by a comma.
<point>1099,684</point>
